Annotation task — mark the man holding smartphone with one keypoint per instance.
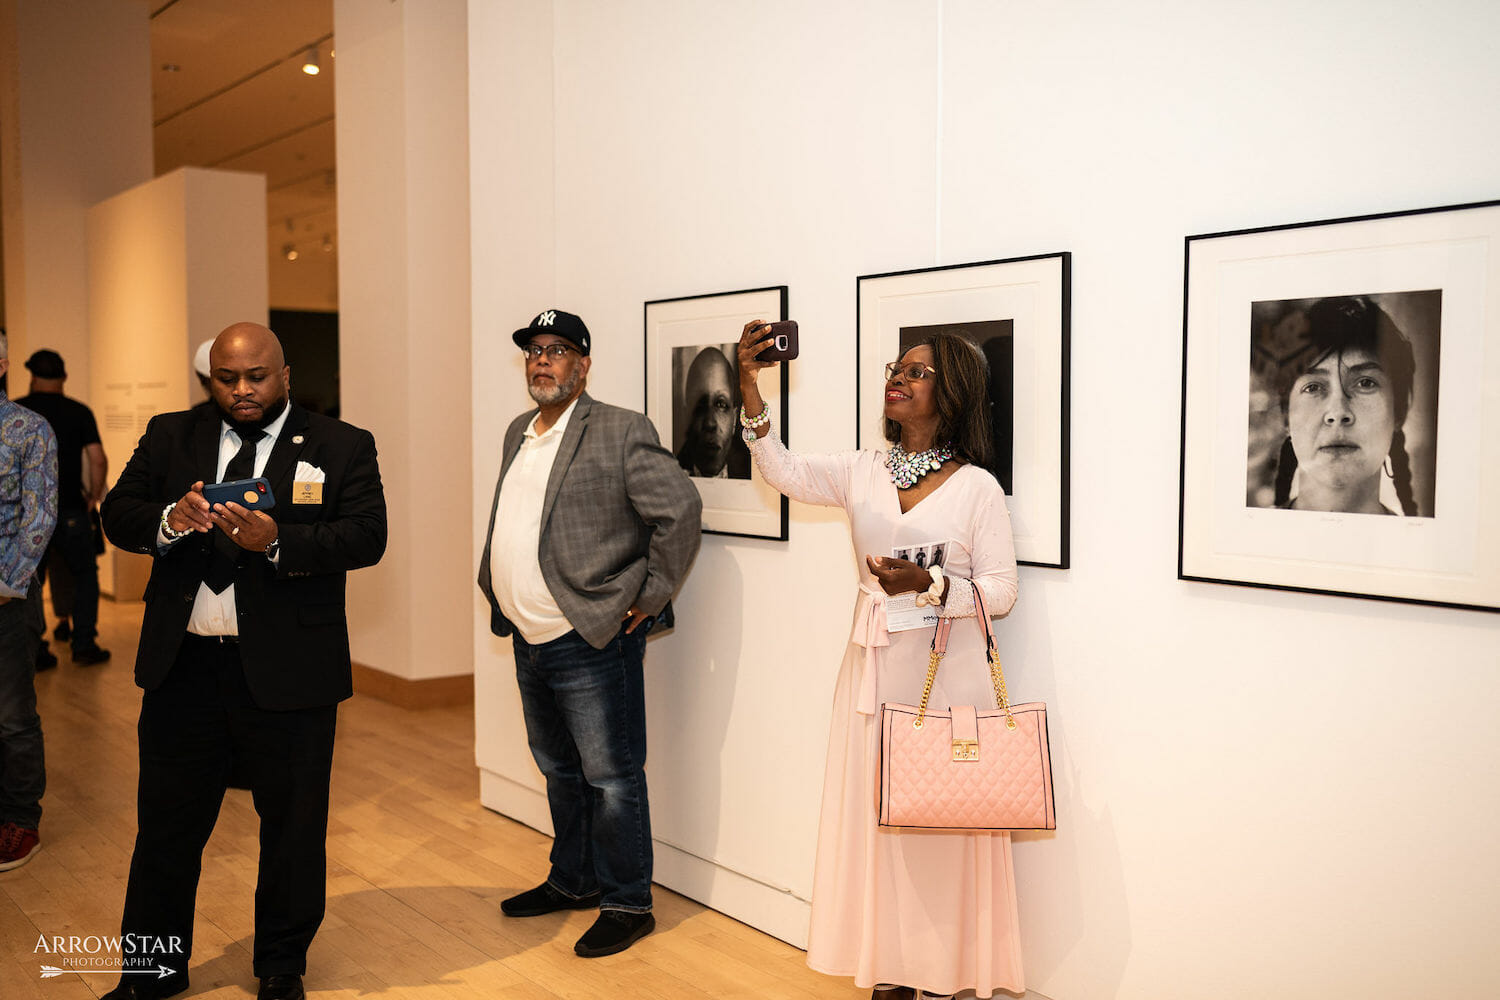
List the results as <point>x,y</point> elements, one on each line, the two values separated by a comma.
<point>592,529</point>
<point>244,650</point>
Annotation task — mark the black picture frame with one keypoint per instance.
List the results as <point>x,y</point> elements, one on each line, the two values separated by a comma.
<point>1334,436</point>
<point>736,500</point>
<point>1018,310</point>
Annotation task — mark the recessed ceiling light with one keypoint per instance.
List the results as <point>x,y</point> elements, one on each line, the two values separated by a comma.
<point>170,68</point>
<point>310,64</point>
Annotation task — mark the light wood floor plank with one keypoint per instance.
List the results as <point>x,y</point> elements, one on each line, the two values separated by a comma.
<point>416,867</point>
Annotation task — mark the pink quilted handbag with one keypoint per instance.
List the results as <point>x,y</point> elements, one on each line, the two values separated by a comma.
<point>966,768</point>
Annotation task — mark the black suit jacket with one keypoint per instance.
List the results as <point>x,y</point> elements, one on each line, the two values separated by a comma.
<point>294,637</point>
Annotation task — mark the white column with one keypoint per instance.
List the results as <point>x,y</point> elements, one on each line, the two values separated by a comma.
<point>404,333</point>
<point>170,263</point>
<point>512,138</point>
<point>75,120</point>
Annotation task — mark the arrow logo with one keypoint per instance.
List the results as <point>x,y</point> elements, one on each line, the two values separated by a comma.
<point>160,972</point>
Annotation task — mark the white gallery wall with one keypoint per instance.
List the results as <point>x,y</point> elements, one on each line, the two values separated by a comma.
<point>171,262</point>
<point>75,128</point>
<point>1260,793</point>
<point>403,290</point>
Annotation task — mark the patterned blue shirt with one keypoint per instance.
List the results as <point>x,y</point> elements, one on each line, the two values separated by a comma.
<point>28,494</point>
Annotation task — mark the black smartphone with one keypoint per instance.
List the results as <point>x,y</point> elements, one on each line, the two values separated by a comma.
<point>781,341</point>
<point>251,494</point>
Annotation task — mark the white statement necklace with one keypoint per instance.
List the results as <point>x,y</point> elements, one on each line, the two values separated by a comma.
<point>907,467</point>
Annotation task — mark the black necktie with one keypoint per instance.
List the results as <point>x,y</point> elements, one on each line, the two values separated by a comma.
<point>226,554</point>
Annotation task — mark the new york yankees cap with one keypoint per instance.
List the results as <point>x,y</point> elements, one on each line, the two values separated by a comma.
<point>555,321</point>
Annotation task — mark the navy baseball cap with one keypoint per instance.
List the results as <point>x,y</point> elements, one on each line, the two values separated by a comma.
<point>555,321</point>
<point>47,364</point>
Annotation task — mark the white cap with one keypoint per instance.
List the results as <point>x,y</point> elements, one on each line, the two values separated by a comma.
<point>201,363</point>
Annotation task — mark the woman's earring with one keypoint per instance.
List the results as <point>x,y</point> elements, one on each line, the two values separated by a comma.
<point>1386,466</point>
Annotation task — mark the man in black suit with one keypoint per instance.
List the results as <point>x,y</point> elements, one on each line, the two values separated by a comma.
<point>244,651</point>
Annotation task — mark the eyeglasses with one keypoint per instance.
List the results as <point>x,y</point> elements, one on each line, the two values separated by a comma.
<point>553,351</point>
<point>914,372</point>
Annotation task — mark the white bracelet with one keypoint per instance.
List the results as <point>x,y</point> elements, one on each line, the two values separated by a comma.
<point>933,595</point>
<point>166,529</point>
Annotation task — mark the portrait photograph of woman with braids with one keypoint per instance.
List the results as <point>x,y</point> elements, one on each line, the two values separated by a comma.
<point>1343,404</point>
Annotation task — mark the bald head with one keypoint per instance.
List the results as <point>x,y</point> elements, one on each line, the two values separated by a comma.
<point>240,338</point>
<point>709,397</point>
<point>248,377</point>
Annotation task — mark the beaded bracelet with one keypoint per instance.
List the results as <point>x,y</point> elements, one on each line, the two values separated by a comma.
<point>171,533</point>
<point>751,423</point>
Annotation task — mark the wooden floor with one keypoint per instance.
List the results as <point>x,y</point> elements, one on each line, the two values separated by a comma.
<point>416,871</point>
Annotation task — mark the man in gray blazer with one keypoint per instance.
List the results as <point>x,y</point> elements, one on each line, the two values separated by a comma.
<point>592,528</point>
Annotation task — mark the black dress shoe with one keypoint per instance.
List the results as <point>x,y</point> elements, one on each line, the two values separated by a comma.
<point>90,655</point>
<point>151,989</point>
<point>545,899</point>
<point>614,931</point>
<point>288,987</point>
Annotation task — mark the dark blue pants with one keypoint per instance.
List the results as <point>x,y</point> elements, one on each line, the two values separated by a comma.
<point>23,767</point>
<point>73,543</point>
<point>195,728</point>
<point>585,714</point>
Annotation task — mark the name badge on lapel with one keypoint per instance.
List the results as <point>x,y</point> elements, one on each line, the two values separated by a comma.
<point>307,492</point>
<point>307,484</point>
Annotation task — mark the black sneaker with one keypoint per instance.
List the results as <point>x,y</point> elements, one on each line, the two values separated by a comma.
<point>545,899</point>
<point>62,633</point>
<point>90,655</point>
<point>613,932</point>
<point>45,660</point>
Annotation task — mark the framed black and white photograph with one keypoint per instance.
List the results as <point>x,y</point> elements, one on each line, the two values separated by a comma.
<point>1017,312</point>
<point>693,398</point>
<point>1335,432</point>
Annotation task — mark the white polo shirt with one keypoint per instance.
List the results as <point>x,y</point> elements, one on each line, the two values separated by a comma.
<point>515,546</point>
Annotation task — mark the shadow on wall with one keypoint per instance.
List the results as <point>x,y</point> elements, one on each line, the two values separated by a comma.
<point>1058,862</point>
<point>689,698</point>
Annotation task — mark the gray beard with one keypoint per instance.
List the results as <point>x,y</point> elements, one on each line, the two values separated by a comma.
<point>559,391</point>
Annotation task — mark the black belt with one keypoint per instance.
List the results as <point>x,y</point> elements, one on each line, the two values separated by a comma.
<point>218,640</point>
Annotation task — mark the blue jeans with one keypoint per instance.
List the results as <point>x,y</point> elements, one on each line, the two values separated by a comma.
<point>585,714</point>
<point>23,768</point>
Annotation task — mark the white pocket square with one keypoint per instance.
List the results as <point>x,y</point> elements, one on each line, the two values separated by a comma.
<point>309,473</point>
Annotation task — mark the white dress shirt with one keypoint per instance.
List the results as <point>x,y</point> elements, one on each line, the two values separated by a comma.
<point>515,559</point>
<point>215,614</point>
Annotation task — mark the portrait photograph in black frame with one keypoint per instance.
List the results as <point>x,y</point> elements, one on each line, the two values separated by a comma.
<point>1336,436</point>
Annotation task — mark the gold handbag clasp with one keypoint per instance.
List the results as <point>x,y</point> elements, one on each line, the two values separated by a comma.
<point>965,750</point>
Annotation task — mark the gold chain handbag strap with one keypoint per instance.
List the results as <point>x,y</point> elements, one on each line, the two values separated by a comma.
<point>940,648</point>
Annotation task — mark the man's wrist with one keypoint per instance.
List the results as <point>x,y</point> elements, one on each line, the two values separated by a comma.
<point>170,533</point>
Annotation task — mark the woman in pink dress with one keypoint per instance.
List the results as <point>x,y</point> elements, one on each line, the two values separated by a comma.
<point>907,911</point>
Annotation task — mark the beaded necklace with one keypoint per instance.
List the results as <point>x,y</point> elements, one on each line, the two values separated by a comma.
<point>907,468</point>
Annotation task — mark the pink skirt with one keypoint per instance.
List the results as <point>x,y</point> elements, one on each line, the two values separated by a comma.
<point>936,911</point>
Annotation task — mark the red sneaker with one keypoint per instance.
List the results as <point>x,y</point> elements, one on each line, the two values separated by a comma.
<point>17,846</point>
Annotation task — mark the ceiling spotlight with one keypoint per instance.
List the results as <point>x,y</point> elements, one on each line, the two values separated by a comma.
<point>289,251</point>
<point>327,243</point>
<point>170,68</point>
<point>310,64</point>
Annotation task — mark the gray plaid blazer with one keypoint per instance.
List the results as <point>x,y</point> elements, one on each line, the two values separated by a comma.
<point>620,521</point>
